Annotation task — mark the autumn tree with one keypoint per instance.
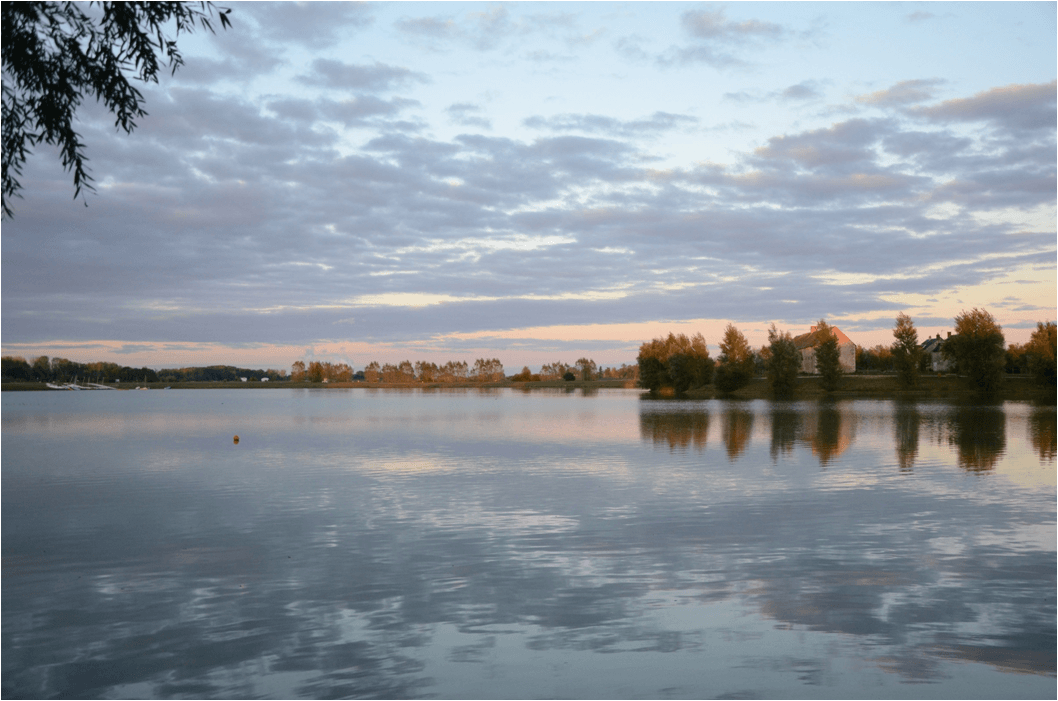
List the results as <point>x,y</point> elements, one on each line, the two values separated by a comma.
<point>454,371</point>
<point>876,359</point>
<point>977,349</point>
<point>1041,352</point>
<point>828,357</point>
<point>554,371</point>
<point>55,55</point>
<point>907,354</point>
<point>373,372</point>
<point>488,370</point>
<point>783,363</point>
<point>426,372</point>
<point>736,366</point>
<point>677,362</point>
<point>586,368</point>
<point>525,375</point>
<point>315,372</point>
<point>297,371</point>
<point>1016,358</point>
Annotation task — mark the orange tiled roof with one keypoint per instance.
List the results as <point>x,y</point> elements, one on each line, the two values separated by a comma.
<point>814,338</point>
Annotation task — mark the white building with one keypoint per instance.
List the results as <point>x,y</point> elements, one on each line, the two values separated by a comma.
<point>807,343</point>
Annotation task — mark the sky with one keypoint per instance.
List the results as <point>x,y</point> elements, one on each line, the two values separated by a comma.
<point>540,182</point>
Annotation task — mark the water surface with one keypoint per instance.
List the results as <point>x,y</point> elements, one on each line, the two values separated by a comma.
<point>463,543</point>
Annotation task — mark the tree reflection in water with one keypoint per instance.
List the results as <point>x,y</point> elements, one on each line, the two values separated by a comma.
<point>785,427</point>
<point>677,429</point>
<point>828,441</point>
<point>447,561</point>
<point>905,425</point>
<point>1043,433</point>
<point>979,435</point>
<point>737,428</point>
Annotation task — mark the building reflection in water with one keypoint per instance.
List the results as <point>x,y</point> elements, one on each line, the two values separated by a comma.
<point>906,421</point>
<point>785,427</point>
<point>979,436</point>
<point>677,429</point>
<point>1043,433</point>
<point>737,428</point>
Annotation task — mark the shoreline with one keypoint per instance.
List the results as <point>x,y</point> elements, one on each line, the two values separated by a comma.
<point>1020,387</point>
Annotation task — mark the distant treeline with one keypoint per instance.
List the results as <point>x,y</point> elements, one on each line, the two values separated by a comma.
<point>43,369</point>
<point>61,370</point>
<point>482,370</point>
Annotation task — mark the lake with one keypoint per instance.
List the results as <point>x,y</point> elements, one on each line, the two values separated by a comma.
<point>507,544</point>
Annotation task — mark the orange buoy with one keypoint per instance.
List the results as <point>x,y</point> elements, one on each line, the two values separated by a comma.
<point>236,440</point>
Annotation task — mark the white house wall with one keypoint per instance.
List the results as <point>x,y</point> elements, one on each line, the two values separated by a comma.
<point>846,359</point>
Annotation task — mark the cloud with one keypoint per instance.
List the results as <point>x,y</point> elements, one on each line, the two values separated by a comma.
<point>599,124</point>
<point>630,47</point>
<point>243,57</point>
<point>354,111</point>
<point>1017,107</point>
<point>466,114</point>
<point>717,40</point>
<point>918,17</point>
<point>492,28</point>
<point>903,93</point>
<point>284,229</point>
<point>431,27</point>
<point>714,26</point>
<point>844,144</point>
<point>310,24</point>
<point>805,90</point>
<point>347,76</point>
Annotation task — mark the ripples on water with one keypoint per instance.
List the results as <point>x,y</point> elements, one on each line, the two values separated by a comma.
<point>498,544</point>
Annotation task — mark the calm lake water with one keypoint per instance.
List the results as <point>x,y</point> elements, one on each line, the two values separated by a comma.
<point>462,544</point>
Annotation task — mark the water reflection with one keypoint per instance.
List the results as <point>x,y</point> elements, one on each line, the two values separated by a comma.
<point>1043,432</point>
<point>831,435</point>
<point>785,428</point>
<point>979,435</point>
<point>307,568</point>
<point>737,428</point>
<point>677,429</point>
<point>906,420</point>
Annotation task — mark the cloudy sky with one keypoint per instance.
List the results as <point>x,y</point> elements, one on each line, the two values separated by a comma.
<point>543,181</point>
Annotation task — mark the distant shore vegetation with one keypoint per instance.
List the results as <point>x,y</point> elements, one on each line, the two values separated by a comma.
<point>671,365</point>
<point>675,365</point>
<point>453,372</point>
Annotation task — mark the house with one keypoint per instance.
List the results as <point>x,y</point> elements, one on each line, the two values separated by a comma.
<point>806,343</point>
<point>244,379</point>
<point>264,379</point>
<point>932,348</point>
